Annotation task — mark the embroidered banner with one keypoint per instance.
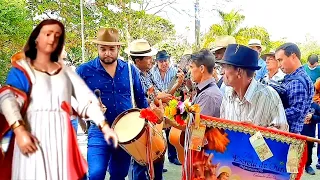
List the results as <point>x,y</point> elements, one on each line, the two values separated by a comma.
<point>237,151</point>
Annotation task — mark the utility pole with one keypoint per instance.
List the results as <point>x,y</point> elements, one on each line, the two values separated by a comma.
<point>197,24</point>
<point>82,31</point>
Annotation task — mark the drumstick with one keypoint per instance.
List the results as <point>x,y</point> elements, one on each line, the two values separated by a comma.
<point>97,92</point>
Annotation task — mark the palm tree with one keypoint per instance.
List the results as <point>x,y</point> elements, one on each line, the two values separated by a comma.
<point>230,25</point>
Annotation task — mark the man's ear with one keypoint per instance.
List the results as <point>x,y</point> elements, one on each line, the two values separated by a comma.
<point>202,68</point>
<point>239,72</point>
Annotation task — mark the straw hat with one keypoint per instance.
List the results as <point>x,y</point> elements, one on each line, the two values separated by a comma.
<point>222,42</point>
<point>107,36</point>
<point>256,42</point>
<point>271,53</point>
<point>140,47</point>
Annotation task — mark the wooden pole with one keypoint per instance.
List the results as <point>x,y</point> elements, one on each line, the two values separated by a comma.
<point>197,24</point>
<point>311,139</point>
<point>82,31</point>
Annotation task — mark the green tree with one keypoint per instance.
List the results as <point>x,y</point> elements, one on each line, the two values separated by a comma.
<point>308,47</point>
<point>230,25</point>
<point>176,47</point>
<point>132,24</point>
<point>15,27</point>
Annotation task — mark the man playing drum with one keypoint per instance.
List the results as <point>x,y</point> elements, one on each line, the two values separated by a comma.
<point>111,76</point>
<point>138,51</point>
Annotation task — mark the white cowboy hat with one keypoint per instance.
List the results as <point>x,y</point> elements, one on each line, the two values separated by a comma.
<point>222,42</point>
<point>140,47</point>
<point>257,43</point>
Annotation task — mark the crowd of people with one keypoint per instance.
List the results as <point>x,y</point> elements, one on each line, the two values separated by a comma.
<point>228,81</point>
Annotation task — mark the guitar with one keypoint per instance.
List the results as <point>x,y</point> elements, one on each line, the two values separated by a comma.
<point>176,138</point>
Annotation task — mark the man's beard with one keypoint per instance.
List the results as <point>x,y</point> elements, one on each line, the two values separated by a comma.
<point>108,62</point>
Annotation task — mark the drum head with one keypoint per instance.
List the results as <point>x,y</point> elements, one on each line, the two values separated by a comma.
<point>128,125</point>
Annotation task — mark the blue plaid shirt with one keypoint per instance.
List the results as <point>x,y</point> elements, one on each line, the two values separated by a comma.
<point>148,81</point>
<point>300,100</point>
<point>164,83</point>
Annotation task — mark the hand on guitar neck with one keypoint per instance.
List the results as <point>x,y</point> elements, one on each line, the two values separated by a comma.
<point>176,82</point>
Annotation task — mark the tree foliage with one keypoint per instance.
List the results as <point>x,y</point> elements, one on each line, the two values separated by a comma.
<point>231,25</point>
<point>132,24</point>
<point>308,47</point>
<point>15,26</point>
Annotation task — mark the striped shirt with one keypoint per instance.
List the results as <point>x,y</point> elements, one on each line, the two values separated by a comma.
<point>261,105</point>
<point>147,81</point>
<point>164,83</point>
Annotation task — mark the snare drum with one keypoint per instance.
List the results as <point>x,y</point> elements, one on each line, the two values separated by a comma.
<point>132,135</point>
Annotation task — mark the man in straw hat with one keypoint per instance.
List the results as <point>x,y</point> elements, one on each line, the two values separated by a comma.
<point>246,99</point>
<point>141,54</point>
<point>256,45</point>
<point>110,76</point>
<point>220,45</point>
<point>273,67</point>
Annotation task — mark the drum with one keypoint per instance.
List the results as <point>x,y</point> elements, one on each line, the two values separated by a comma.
<point>132,135</point>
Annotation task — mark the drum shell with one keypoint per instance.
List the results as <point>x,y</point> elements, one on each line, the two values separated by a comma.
<point>137,146</point>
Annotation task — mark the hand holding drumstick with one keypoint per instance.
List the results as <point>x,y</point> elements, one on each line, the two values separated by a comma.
<point>102,106</point>
<point>109,134</point>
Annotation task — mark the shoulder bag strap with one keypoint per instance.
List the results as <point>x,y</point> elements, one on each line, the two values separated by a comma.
<point>131,85</point>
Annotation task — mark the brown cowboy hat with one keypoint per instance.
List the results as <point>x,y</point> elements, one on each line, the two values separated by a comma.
<point>107,36</point>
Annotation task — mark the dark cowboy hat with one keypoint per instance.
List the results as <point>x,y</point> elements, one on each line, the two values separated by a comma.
<point>241,56</point>
<point>162,55</point>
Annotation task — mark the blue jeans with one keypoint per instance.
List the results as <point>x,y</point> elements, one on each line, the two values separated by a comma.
<point>74,123</point>
<point>172,153</point>
<point>141,172</point>
<point>101,156</point>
